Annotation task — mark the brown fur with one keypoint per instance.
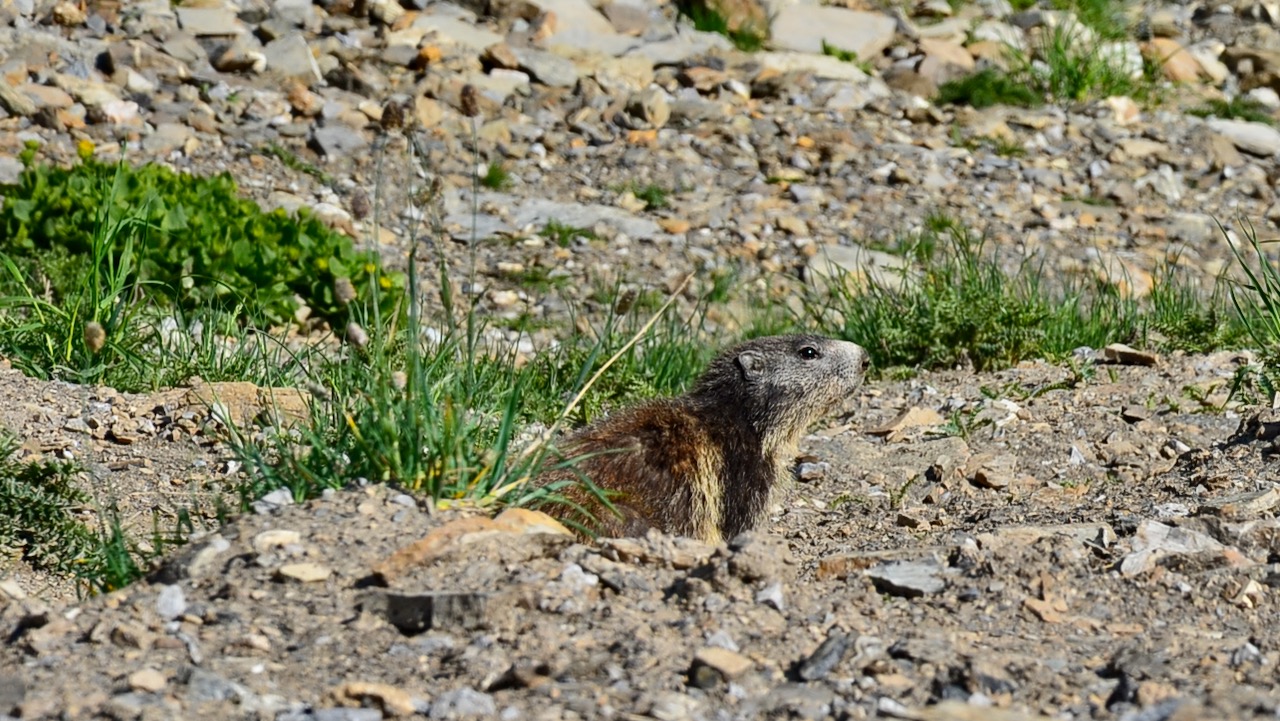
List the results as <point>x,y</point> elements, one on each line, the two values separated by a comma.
<point>705,464</point>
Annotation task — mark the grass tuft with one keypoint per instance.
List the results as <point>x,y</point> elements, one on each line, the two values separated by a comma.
<point>563,234</point>
<point>41,506</point>
<point>960,307</point>
<point>707,19</point>
<point>496,177</point>
<point>1238,108</point>
<point>986,88</point>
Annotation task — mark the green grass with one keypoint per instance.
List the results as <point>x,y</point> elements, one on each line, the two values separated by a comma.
<point>1238,108</point>
<point>1256,299</point>
<point>110,326</point>
<point>563,234</point>
<point>986,88</point>
<point>41,509</point>
<point>845,56</point>
<point>194,237</point>
<point>963,308</point>
<point>707,19</point>
<point>1062,67</point>
<point>1106,18</point>
<point>496,177</point>
<point>654,195</point>
<point>1000,145</point>
<point>290,160</point>
<point>446,417</point>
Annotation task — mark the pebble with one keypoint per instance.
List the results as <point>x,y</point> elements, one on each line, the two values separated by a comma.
<point>305,572</point>
<point>148,680</point>
<point>171,602</point>
<point>908,579</point>
<point>463,703</point>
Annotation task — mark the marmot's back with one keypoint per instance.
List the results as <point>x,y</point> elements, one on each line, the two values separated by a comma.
<point>705,464</point>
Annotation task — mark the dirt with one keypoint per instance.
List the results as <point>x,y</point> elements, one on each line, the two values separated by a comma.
<point>1089,540</point>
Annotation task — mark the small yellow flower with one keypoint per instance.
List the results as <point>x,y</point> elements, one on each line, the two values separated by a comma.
<point>85,149</point>
<point>385,282</point>
<point>322,263</point>
<point>369,268</point>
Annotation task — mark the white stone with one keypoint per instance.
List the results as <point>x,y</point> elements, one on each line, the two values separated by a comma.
<point>804,28</point>
<point>1255,138</point>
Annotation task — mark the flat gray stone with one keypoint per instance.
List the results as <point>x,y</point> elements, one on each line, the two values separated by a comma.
<point>456,31</point>
<point>10,170</point>
<point>803,28</point>
<point>547,68</point>
<point>575,15</point>
<point>338,140</point>
<point>210,22</point>
<point>171,602</point>
<point>289,57</point>
<point>463,703</point>
<point>908,579</point>
<point>1256,138</point>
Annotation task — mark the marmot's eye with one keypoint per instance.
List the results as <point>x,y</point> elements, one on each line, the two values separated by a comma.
<point>809,353</point>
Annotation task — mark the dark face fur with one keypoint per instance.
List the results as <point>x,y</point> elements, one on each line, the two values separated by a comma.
<point>785,383</point>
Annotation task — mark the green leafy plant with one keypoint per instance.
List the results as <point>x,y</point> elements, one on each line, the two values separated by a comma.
<point>40,520</point>
<point>93,332</point>
<point>207,246</point>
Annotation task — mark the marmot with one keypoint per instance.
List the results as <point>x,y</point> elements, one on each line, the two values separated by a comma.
<point>705,464</point>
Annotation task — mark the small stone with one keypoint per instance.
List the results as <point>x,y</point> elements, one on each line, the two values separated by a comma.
<point>304,572</point>
<point>148,680</point>
<point>808,472</point>
<point>1251,137</point>
<point>290,58</point>
<point>1123,354</point>
<point>1244,505</point>
<point>171,602</point>
<point>913,417</point>
<point>414,613</point>
<point>651,106</point>
<point>826,657</point>
<point>1133,414</point>
<point>204,686</point>
<point>908,579</point>
<point>992,471</point>
<point>463,703</point>
<point>275,538</point>
<point>713,666</point>
<point>393,701</point>
<point>771,595</point>
<point>337,714</point>
<point>337,141</point>
<point>547,68</point>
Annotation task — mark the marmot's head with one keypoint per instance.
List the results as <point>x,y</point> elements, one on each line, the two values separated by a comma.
<point>785,383</point>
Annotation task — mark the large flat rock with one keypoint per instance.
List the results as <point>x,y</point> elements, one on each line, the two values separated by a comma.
<point>803,28</point>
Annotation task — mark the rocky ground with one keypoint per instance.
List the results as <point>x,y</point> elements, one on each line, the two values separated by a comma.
<point>1037,542</point>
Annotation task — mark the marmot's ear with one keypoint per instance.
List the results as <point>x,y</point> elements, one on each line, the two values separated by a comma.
<point>752,364</point>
